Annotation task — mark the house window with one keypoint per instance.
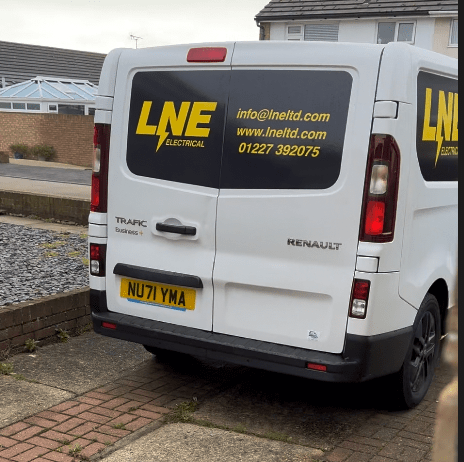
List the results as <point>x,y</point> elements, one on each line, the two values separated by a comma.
<point>33,106</point>
<point>295,33</point>
<point>91,111</point>
<point>75,109</point>
<point>313,32</point>
<point>396,32</point>
<point>454,33</point>
<point>19,106</point>
<point>5,105</point>
<point>52,108</point>
<point>323,32</point>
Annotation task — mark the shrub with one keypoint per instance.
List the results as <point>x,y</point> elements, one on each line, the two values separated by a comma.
<point>44,151</point>
<point>20,148</point>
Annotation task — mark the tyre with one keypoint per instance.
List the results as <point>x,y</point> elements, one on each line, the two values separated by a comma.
<point>166,356</point>
<point>413,380</point>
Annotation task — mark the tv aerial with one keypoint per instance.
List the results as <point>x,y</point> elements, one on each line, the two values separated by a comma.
<point>133,37</point>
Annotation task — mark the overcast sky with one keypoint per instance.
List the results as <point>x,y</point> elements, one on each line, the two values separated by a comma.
<point>101,25</point>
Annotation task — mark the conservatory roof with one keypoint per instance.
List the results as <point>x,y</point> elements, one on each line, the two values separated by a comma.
<point>51,88</point>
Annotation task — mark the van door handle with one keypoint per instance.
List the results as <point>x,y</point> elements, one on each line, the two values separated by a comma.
<point>176,229</point>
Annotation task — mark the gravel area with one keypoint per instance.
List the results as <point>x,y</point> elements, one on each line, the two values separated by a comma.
<point>35,263</point>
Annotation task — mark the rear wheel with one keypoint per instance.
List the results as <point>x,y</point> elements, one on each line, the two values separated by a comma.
<point>416,375</point>
<point>165,356</point>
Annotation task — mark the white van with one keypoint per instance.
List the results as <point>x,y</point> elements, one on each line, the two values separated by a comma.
<point>285,206</point>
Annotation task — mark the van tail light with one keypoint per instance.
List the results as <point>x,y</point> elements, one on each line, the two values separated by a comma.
<point>380,190</point>
<point>359,299</point>
<point>207,55</point>
<point>101,149</point>
<point>98,260</point>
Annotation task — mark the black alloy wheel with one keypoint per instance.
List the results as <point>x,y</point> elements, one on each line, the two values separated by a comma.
<point>418,369</point>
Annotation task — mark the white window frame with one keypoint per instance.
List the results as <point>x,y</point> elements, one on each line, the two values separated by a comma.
<point>300,37</point>
<point>397,30</point>
<point>451,44</point>
<point>294,37</point>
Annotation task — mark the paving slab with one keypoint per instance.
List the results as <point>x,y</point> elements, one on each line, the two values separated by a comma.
<point>190,443</point>
<point>39,224</point>
<point>45,188</point>
<point>81,364</point>
<point>45,164</point>
<point>20,399</point>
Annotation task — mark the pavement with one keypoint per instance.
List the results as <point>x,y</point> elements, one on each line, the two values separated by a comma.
<point>46,178</point>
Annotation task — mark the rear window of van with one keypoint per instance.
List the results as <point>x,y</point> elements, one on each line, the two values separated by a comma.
<point>176,125</point>
<point>239,129</point>
<point>285,129</point>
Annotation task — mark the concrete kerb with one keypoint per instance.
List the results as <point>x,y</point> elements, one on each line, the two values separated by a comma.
<point>41,319</point>
<point>46,207</point>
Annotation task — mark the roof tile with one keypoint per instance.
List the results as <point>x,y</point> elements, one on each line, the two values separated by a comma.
<point>314,9</point>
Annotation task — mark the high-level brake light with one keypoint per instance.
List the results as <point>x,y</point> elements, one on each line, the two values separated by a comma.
<point>207,55</point>
<point>380,190</point>
<point>101,147</point>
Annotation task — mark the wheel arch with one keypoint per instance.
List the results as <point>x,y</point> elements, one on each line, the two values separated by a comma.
<point>440,291</point>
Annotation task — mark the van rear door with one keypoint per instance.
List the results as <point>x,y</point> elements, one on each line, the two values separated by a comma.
<point>165,159</point>
<point>294,162</point>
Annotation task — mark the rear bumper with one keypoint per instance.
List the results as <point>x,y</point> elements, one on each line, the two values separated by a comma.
<point>363,358</point>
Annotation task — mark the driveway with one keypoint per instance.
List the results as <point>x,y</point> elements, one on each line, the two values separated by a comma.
<point>110,399</point>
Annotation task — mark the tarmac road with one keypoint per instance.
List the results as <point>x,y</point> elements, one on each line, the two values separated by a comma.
<point>49,174</point>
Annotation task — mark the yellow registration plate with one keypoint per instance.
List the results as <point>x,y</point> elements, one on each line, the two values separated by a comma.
<point>151,293</point>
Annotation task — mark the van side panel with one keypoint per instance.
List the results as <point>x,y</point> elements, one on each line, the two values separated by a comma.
<point>425,245</point>
<point>430,249</point>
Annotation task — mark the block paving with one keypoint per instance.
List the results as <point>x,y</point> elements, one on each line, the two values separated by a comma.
<point>82,427</point>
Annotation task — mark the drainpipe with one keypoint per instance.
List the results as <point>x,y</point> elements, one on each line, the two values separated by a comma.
<point>262,31</point>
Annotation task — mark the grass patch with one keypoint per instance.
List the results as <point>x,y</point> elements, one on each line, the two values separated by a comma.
<point>30,345</point>
<point>76,253</point>
<point>83,329</point>
<point>85,261</point>
<point>240,428</point>
<point>52,245</point>
<point>119,426</point>
<point>183,412</point>
<point>6,368</point>
<point>83,236</point>
<point>75,450</point>
<point>63,335</point>
<point>277,436</point>
<point>51,254</point>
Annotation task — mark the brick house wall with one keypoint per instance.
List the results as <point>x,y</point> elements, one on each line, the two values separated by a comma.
<point>70,135</point>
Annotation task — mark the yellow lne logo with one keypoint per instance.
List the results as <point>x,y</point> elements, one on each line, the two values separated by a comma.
<point>178,121</point>
<point>447,121</point>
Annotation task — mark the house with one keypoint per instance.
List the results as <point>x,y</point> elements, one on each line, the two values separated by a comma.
<point>49,95</point>
<point>20,62</point>
<point>432,25</point>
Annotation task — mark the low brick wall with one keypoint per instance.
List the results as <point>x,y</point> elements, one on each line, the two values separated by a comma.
<point>40,319</point>
<point>70,135</point>
<point>58,208</point>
